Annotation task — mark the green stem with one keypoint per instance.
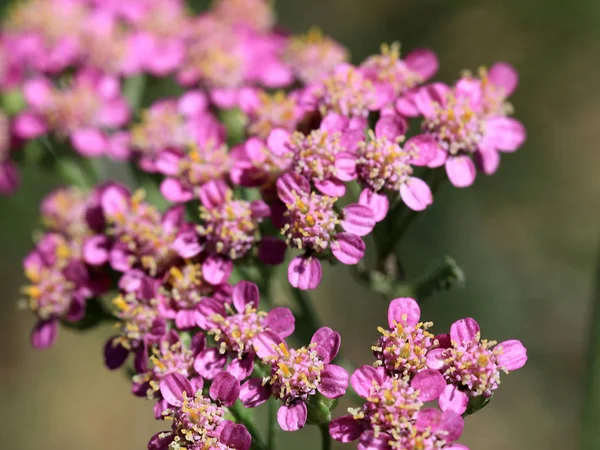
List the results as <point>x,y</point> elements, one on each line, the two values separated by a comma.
<point>590,438</point>
<point>308,323</point>
<point>325,437</point>
<point>272,424</point>
<point>245,417</point>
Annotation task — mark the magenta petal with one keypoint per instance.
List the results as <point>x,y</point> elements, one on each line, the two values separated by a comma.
<point>461,171</point>
<point>304,272</point>
<point>271,250</point>
<point>29,126</point>
<point>452,399</point>
<point>245,293</point>
<point>208,308</point>
<point>464,331</point>
<point>114,354</point>
<point>422,61</point>
<point>435,420</point>
<point>503,133</point>
<point>391,127</point>
<point>173,190</point>
<point>242,368</point>
<point>95,251</point>
<point>281,321</point>
<point>436,358</point>
<point>267,344</point>
<point>345,429</point>
<point>378,203</point>
<point>327,343</point>
<point>345,166</point>
<point>235,436</point>
<point>513,356</point>
<point>44,334</point>
<point>160,441</point>
<point>253,393</point>
<point>225,388</point>
<point>192,103</point>
<point>358,219</point>
<point>278,142</point>
<point>289,184</point>
<point>167,163</point>
<point>209,363</point>
<point>186,319</point>
<point>172,388</point>
<point>114,200</point>
<point>89,142</point>
<point>423,149</point>
<point>504,76</point>
<point>216,270</point>
<point>405,311</point>
<point>213,193</point>
<point>348,248</point>
<point>439,159</point>
<point>416,194</point>
<point>487,160</point>
<point>333,122</point>
<point>430,384</point>
<point>370,441</point>
<point>292,417</point>
<point>186,244</point>
<point>332,188</point>
<point>334,381</point>
<point>9,178</point>
<point>364,378</point>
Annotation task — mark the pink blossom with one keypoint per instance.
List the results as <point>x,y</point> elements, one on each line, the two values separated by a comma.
<point>312,224</point>
<point>266,111</point>
<point>254,14</point>
<point>296,375</point>
<point>472,366</point>
<point>235,329</point>
<point>255,165</point>
<point>9,176</point>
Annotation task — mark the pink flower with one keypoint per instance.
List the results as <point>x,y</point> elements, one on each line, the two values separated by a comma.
<point>254,14</point>
<point>235,330</point>
<point>266,111</point>
<point>382,165</point>
<point>198,421</point>
<point>311,224</point>
<point>392,416</point>
<point>326,156</point>
<point>296,375</point>
<point>182,292</point>
<point>312,55</point>
<point>472,366</point>
<point>402,349</point>
<point>255,165</point>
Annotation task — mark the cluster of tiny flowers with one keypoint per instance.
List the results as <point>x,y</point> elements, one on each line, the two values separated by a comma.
<point>275,149</point>
<point>413,367</point>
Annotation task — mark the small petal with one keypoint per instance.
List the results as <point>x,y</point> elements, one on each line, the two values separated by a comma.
<point>209,363</point>
<point>253,393</point>
<point>358,219</point>
<point>225,388</point>
<point>95,250</point>
<point>235,436</point>
<point>281,321</point>
<point>513,356</point>
<point>436,358</point>
<point>422,61</point>
<point>186,244</point>
<point>461,171</point>
<point>487,160</point>
<point>213,193</point>
<point>305,273</point>
<point>436,420</point>
<point>114,354</point>
<point>172,388</point>
<point>348,248</point>
<point>241,368</point>
<point>503,133</point>
<point>114,200</point>
<point>267,344</point>
<point>423,149</point>
<point>416,194</point>
<point>504,76</point>
<point>292,417</point>
<point>44,334</point>
<point>370,441</point>
<point>333,122</point>
<point>245,293</point>
<point>89,142</point>
<point>391,126</point>
<point>290,183</point>
<point>192,103</point>
<point>345,166</point>
<point>452,399</point>
<point>216,270</point>
<point>278,142</point>
<point>173,190</point>
<point>334,381</point>
<point>464,331</point>
<point>405,311</point>
<point>430,384</point>
<point>378,203</point>
<point>345,429</point>
<point>327,343</point>
<point>364,378</point>
<point>332,188</point>
<point>186,319</point>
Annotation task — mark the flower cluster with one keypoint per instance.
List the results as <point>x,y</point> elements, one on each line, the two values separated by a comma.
<point>269,149</point>
<point>414,367</point>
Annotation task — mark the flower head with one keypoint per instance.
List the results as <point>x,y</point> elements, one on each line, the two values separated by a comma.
<point>295,375</point>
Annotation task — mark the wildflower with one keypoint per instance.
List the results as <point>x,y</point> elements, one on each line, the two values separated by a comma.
<point>383,165</point>
<point>325,156</point>
<point>84,111</point>
<point>266,112</point>
<point>472,366</point>
<point>198,422</point>
<point>9,176</point>
<point>389,417</point>
<point>254,14</point>
<point>402,349</point>
<point>311,224</point>
<point>313,55</point>
<point>182,291</point>
<point>235,330</point>
<point>255,165</point>
<point>296,375</point>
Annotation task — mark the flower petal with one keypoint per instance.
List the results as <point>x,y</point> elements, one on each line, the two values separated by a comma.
<point>403,310</point>
<point>334,381</point>
<point>278,141</point>
<point>89,142</point>
<point>513,356</point>
<point>216,270</point>
<point>348,248</point>
<point>364,378</point>
<point>391,126</point>
<point>423,149</point>
<point>245,293</point>
<point>436,358</point>
<point>464,331</point>
<point>292,417</point>
<point>271,250</point>
<point>209,363</point>
<point>430,384</point>
<point>358,219</point>
<point>378,203</point>
<point>225,388</point>
<point>267,344</point>
<point>235,436</point>
<point>290,183</point>
<point>503,133</point>
<point>305,272</point>
<point>505,76</point>
<point>281,321</point>
<point>253,393</point>
<point>327,343</point>
<point>461,171</point>
<point>345,429</point>
<point>114,354</point>
<point>173,190</point>
<point>331,187</point>
<point>452,399</point>
<point>416,194</point>
<point>422,61</point>
<point>172,388</point>
<point>44,334</point>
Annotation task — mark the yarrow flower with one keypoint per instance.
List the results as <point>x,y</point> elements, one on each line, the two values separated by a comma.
<point>198,422</point>
<point>312,223</point>
<point>235,329</point>
<point>296,375</point>
<point>9,175</point>
<point>471,365</point>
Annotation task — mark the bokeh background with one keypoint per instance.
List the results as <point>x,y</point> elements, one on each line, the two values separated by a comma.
<point>525,237</point>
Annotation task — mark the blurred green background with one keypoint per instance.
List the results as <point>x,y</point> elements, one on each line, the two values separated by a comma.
<point>525,237</point>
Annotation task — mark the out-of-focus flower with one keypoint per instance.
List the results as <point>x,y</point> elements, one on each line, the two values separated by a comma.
<point>296,375</point>
<point>9,175</point>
